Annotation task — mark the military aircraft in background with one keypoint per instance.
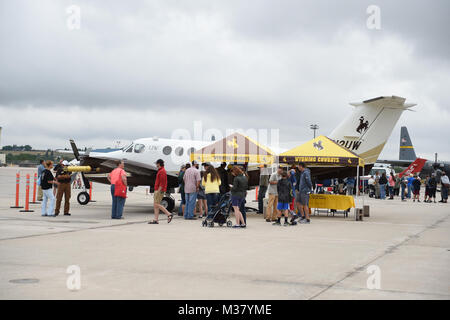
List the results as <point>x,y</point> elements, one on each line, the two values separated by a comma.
<point>408,158</point>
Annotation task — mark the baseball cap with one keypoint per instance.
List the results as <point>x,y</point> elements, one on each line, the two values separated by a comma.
<point>65,163</point>
<point>194,162</point>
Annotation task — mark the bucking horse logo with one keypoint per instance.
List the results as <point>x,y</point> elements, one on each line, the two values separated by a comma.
<point>363,126</point>
<point>318,145</point>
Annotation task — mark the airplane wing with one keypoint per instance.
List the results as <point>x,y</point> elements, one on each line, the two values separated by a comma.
<point>398,163</point>
<point>139,174</point>
<point>133,167</point>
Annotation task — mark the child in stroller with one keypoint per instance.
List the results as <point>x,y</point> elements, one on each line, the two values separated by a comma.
<point>219,214</point>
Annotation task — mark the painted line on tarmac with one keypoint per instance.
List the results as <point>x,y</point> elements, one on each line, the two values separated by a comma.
<point>77,230</point>
<point>388,250</point>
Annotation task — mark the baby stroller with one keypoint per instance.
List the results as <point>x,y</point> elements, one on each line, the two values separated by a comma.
<point>219,214</point>
<point>371,191</point>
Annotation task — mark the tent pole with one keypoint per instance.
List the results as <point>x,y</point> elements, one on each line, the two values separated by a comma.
<point>357,181</point>
<point>364,191</point>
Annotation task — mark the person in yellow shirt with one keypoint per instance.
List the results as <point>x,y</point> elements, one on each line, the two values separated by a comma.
<point>211,182</point>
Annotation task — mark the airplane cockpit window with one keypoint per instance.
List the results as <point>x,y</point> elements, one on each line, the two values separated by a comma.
<point>139,148</point>
<point>128,149</point>
<point>179,151</point>
<point>167,150</point>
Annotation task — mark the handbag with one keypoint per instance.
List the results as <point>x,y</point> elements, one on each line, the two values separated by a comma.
<point>120,190</point>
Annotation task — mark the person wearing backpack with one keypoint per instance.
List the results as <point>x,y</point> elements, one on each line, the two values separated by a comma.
<point>47,182</point>
<point>432,184</point>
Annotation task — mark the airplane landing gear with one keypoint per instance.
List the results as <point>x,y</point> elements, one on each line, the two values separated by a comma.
<point>83,198</point>
<point>168,203</point>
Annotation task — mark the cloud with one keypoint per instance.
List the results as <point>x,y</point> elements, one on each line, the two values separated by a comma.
<point>147,68</point>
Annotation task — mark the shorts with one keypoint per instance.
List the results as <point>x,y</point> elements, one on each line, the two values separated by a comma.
<point>283,206</point>
<point>416,192</point>
<point>303,199</point>
<point>157,197</point>
<point>236,201</point>
<point>201,196</point>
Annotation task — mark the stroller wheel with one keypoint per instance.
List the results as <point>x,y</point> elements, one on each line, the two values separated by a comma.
<point>211,224</point>
<point>203,223</point>
<point>229,224</point>
<point>220,224</point>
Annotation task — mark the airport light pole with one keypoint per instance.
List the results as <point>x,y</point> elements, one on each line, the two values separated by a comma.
<point>314,127</point>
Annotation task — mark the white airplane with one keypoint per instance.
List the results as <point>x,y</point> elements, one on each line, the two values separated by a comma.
<point>364,132</point>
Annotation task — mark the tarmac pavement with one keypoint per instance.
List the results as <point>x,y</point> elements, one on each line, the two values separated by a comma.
<point>409,243</point>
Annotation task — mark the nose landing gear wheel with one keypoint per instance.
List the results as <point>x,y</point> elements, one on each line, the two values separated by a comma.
<point>168,203</point>
<point>83,198</point>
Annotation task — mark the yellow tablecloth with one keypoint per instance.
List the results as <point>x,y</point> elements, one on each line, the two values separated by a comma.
<point>331,201</point>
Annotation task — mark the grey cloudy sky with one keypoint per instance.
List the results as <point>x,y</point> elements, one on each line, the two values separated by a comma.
<point>145,68</point>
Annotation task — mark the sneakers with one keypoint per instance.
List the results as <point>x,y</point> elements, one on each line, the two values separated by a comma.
<point>67,214</point>
<point>277,223</point>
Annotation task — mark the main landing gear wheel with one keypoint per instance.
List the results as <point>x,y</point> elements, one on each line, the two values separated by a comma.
<point>168,203</point>
<point>83,198</point>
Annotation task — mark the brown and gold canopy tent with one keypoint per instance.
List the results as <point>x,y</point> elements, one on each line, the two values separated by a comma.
<point>235,148</point>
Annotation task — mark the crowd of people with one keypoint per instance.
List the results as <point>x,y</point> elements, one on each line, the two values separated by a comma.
<point>408,187</point>
<point>200,192</point>
<point>288,190</point>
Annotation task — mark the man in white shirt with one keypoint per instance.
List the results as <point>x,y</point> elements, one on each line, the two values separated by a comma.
<point>445,184</point>
<point>371,183</point>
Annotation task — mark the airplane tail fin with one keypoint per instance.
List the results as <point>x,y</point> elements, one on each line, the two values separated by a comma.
<point>368,128</point>
<point>406,147</point>
<point>414,167</point>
